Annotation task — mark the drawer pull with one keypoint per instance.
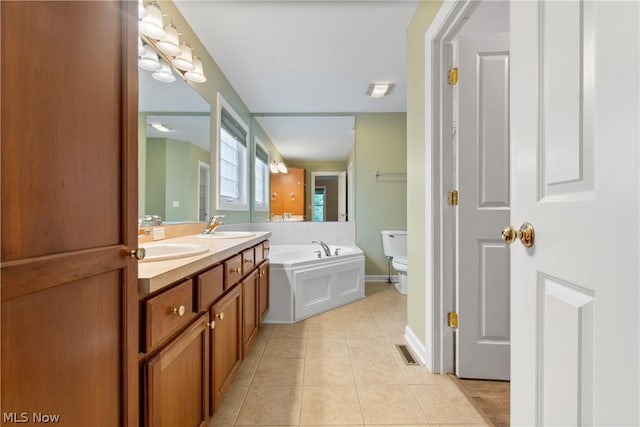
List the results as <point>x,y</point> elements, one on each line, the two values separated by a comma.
<point>220,316</point>
<point>179,311</point>
<point>248,261</point>
<point>235,270</point>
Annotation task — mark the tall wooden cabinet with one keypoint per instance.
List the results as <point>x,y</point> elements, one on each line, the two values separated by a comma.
<point>68,189</point>
<point>288,192</point>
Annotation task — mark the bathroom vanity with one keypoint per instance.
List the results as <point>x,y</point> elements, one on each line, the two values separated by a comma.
<point>199,316</point>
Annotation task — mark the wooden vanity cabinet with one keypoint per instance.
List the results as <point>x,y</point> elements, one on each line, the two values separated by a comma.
<point>263,291</point>
<point>226,343</point>
<point>249,310</point>
<point>177,380</point>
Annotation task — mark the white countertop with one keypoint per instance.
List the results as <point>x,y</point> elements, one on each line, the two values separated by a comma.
<point>154,275</point>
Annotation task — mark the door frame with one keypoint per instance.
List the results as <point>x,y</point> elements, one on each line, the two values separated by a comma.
<point>313,186</point>
<point>440,282</point>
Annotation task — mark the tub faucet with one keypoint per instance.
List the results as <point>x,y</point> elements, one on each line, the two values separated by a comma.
<point>326,249</point>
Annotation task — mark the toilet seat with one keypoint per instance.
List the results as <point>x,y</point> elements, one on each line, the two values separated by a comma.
<point>400,263</point>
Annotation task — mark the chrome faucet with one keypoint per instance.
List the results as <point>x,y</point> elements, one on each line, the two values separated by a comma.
<point>326,249</point>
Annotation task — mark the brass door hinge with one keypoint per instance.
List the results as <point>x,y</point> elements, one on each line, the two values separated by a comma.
<point>452,198</point>
<point>452,76</point>
<point>452,319</point>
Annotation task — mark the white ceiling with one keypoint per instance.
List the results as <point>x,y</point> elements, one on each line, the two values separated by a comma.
<point>307,57</point>
<point>304,138</point>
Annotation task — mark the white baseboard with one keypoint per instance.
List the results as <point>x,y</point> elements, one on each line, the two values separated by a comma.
<point>378,278</point>
<point>416,346</point>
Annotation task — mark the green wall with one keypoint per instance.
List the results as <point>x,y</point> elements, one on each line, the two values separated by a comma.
<point>416,161</point>
<point>381,204</point>
<point>172,176</point>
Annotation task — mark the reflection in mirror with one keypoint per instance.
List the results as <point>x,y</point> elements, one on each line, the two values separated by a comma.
<point>174,151</point>
<point>316,150</point>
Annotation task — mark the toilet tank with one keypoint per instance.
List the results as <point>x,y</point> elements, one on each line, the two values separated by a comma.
<point>394,243</point>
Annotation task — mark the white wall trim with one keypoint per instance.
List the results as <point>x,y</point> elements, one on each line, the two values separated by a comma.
<point>417,347</point>
<point>380,278</point>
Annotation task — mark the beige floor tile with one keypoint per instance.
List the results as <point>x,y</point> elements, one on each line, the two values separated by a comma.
<point>335,332</point>
<point>271,405</point>
<point>328,372</point>
<point>367,348</point>
<point>362,330</point>
<point>246,370</point>
<point>227,412</point>
<point>445,404</point>
<point>421,375</point>
<point>377,371</point>
<point>285,348</point>
<point>293,330</point>
<point>327,348</point>
<point>330,405</point>
<point>389,404</point>
<point>279,372</point>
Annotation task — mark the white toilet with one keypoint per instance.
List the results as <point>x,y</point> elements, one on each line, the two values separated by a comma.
<point>394,244</point>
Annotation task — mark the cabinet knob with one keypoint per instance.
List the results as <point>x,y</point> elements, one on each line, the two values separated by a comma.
<point>220,316</point>
<point>212,325</point>
<point>179,311</point>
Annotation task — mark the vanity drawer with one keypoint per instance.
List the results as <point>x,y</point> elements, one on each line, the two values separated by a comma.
<point>232,271</point>
<point>167,312</point>
<point>209,287</point>
<point>259,253</point>
<point>248,259</point>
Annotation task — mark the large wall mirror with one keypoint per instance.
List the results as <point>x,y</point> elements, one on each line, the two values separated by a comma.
<point>318,154</point>
<point>174,151</point>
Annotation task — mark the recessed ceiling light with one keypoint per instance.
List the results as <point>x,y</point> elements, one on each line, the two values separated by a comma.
<point>160,127</point>
<point>378,90</point>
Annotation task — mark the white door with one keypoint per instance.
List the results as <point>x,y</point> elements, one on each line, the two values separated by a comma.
<point>483,259</point>
<point>342,196</point>
<point>575,176</point>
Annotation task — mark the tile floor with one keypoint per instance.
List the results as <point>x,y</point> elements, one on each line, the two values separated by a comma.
<point>342,368</point>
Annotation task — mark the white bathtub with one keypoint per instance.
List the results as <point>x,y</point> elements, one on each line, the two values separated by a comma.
<point>303,285</point>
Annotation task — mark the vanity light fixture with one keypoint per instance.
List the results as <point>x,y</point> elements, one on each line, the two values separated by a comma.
<point>170,44</point>
<point>378,90</point>
<point>184,61</point>
<point>149,59</point>
<point>273,167</point>
<point>151,25</point>
<point>164,74</point>
<point>282,168</point>
<point>160,127</point>
<point>156,43</point>
<point>197,74</point>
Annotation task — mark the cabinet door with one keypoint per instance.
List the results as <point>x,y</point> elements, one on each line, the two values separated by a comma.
<point>263,291</point>
<point>249,310</point>
<point>69,314</point>
<point>226,343</point>
<point>177,380</point>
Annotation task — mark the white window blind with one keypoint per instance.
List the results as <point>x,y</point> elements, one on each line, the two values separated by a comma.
<point>233,148</point>
<point>261,177</point>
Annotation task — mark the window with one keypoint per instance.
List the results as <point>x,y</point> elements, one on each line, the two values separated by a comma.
<point>319,206</point>
<point>261,178</point>
<point>232,152</point>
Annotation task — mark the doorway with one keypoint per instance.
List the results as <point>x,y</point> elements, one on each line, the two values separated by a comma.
<point>475,161</point>
<point>330,190</point>
<point>204,178</point>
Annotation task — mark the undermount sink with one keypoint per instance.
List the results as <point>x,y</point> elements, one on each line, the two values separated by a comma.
<point>165,251</point>
<point>226,235</point>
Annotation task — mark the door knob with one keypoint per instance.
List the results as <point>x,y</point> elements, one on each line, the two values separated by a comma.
<point>526,234</point>
<point>138,254</point>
